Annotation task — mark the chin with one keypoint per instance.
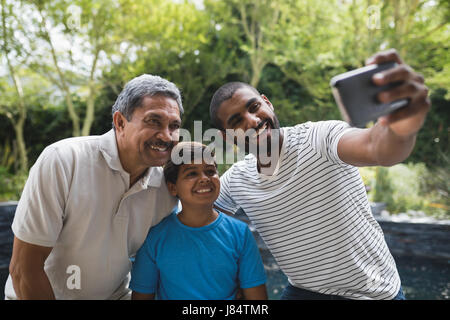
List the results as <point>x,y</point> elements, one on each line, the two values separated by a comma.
<point>156,162</point>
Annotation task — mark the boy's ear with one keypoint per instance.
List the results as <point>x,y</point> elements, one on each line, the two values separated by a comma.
<point>172,188</point>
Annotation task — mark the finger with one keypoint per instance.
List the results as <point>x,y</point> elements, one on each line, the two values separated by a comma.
<point>417,109</point>
<point>407,90</point>
<point>400,73</point>
<point>383,120</point>
<point>419,78</point>
<point>385,56</point>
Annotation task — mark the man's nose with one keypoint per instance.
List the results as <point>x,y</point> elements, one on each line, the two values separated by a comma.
<point>165,135</point>
<point>251,120</point>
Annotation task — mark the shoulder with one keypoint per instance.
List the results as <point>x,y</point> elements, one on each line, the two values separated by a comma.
<point>316,132</point>
<point>304,128</point>
<point>76,144</point>
<point>70,148</point>
<point>160,229</point>
<point>158,235</point>
<point>327,125</point>
<point>297,133</point>
<point>235,225</point>
<point>240,167</point>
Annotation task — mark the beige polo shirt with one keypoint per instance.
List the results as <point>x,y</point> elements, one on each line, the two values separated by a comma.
<point>77,199</point>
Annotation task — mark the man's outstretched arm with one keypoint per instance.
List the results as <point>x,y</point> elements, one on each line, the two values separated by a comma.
<point>392,138</point>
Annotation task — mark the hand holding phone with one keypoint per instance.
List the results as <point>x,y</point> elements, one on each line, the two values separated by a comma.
<point>356,95</point>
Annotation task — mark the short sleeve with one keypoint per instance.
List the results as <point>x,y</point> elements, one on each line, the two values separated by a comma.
<point>324,137</point>
<point>251,268</point>
<point>144,272</point>
<point>40,212</point>
<point>225,200</point>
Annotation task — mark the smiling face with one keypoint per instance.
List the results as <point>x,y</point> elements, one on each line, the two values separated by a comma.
<point>147,139</point>
<point>247,110</point>
<point>196,185</point>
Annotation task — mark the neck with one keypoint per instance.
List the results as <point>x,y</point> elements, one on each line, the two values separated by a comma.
<point>129,163</point>
<point>197,216</point>
<point>273,158</point>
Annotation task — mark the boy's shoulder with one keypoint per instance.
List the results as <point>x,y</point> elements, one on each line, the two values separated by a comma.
<point>161,228</point>
<point>234,223</point>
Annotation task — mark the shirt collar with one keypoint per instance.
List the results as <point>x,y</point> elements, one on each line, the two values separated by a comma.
<point>108,147</point>
<point>153,177</point>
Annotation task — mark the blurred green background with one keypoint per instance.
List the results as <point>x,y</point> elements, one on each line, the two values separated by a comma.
<point>63,64</point>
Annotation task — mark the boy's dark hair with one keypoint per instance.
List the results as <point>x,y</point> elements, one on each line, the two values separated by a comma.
<point>196,151</point>
<point>222,94</point>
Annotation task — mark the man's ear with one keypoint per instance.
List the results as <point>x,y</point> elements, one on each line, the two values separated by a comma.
<point>267,101</point>
<point>172,188</point>
<point>119,121</point>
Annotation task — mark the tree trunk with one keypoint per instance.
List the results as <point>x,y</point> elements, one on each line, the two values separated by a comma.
<point>63,83</point>
<point>18,128</point>
<point>90,105</point>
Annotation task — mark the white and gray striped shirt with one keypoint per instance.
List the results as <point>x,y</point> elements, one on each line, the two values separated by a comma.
<point>314,215</point>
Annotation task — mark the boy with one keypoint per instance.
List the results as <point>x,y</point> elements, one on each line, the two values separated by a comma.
<point>199,253</point>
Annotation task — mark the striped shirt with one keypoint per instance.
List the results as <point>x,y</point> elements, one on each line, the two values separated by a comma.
<point>314,215</point>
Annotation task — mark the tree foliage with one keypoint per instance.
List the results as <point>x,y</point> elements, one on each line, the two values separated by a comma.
<point>73,58</point>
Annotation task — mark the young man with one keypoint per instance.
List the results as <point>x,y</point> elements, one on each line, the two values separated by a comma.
<point>89,202</point>
<point>311,209</point>
<point>199,253</point>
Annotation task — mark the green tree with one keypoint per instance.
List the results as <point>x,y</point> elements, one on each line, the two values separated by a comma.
<point>13,101</point>
<point>79,36</point>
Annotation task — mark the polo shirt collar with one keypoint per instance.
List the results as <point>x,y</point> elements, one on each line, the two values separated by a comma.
<point>108,147</point>
<point>153,177</point>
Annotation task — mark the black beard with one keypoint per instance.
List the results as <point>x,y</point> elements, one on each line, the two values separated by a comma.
<point>275,127</point>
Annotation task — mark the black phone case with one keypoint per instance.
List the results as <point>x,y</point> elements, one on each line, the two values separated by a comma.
<point>356,95</point>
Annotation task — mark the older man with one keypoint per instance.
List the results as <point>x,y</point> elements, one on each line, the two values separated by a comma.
<point>89,201</point>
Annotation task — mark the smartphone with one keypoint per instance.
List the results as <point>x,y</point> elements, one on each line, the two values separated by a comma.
<point>356,95</point>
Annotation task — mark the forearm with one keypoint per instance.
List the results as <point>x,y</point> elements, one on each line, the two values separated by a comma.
<point>32,285</point>
<point>255,293</point>
<point>27,271</point>
<point>142,296</point>
<point>388,148</point>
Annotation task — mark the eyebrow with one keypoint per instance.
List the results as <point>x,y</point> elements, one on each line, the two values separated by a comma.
<point>191,167</point>
<point>247,105</point>
<point>159,117</point>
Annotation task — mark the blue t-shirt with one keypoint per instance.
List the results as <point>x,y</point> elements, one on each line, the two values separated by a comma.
<point>184,263</point>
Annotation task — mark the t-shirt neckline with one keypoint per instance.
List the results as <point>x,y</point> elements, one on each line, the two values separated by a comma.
<point>197,229</point>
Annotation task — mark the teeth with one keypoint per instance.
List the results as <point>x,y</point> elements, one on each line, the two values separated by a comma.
<point>158,148</point>
<point>203,190</point>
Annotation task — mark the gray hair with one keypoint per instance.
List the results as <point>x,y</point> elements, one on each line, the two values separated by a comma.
<point>145,85</point>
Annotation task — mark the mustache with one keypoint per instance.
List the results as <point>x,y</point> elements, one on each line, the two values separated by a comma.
<point>262,123</point>
<point>160,143</point>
